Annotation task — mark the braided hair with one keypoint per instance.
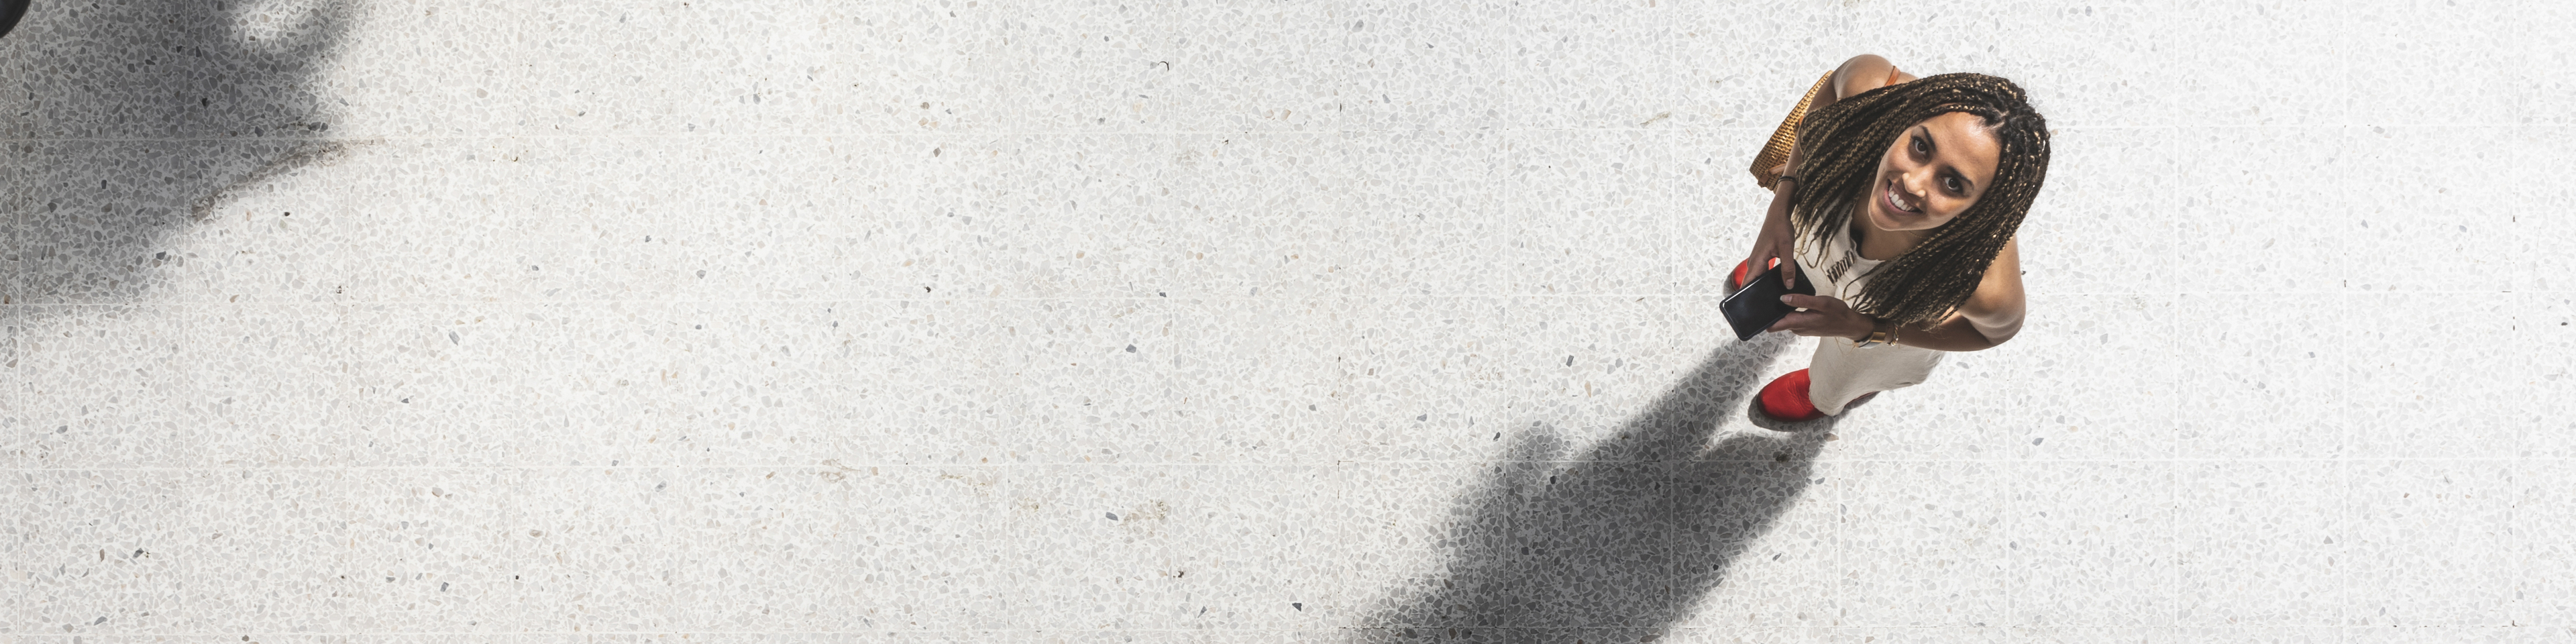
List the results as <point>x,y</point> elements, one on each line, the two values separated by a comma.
<point>1842,144</point>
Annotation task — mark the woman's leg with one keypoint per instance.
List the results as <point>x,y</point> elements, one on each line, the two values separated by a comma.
<point>1842,371</point>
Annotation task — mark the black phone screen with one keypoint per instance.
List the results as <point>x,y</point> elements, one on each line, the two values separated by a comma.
<point>1757,306</point>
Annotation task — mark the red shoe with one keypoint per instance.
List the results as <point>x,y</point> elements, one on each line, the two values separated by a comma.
<point>1785,400</point>
<point>1736,281</point>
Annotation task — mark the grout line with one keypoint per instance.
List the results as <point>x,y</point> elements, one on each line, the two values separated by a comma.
<point>2343,522</point>
<point>2013,513</point>
<point>2517,553</point>
<point>1195,298</point>
<point>2341,530</point>
<point>1298,464</point>
<point>1758,128</point>
<point>2173,472</point>
<point>1836,573</point>
<point>2173,569</point>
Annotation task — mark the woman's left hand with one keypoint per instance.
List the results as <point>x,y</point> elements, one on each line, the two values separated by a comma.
<point>1823,317</point>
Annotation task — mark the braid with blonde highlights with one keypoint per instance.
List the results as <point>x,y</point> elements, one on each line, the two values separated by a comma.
<point>1840,148</point>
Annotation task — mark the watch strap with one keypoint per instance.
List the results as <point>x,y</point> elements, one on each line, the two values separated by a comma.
<point>1879,334</point>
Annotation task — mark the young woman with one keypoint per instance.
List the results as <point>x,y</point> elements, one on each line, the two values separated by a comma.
<point>1899,199</point>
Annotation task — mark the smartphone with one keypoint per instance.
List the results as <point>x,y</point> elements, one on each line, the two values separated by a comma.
<point>1757,306</point>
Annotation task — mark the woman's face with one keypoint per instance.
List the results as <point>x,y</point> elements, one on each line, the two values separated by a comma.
<point>1934,172</point>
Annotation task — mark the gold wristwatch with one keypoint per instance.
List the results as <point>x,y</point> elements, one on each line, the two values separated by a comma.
<point>1880,334</point>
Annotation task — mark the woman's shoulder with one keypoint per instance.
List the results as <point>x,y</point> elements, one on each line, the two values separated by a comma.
<point>1866,72</point>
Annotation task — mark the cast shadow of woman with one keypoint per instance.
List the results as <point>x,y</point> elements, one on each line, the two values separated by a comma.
<point>1621,541</point>
<point>128,121</point>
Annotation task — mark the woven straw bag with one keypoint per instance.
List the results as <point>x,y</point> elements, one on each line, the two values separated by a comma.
<point>1767,165</point>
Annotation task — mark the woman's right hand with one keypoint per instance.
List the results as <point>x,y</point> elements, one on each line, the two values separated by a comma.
<point>1778,240</point>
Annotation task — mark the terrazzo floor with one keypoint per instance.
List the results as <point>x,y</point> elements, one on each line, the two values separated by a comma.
<point>655,322</point>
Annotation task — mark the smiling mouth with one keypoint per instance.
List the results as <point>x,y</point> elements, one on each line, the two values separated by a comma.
<point>1898,204</point>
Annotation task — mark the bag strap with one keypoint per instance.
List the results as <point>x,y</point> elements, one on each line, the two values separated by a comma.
<point>1767,164</point>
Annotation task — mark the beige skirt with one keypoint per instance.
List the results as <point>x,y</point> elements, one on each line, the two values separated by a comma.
<point>1841,371</point>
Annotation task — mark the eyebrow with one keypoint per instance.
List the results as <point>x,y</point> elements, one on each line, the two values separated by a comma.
<point>1966,183</point>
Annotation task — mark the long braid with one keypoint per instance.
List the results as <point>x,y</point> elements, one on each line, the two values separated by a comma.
<point>1841,145</point>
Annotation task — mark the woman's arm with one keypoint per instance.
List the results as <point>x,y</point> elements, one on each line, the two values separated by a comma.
<point>1991,316</point>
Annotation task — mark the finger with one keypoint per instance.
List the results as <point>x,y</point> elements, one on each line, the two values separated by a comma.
<point>1788,268</point>
<point>1797,322</point>
<point>1810,302</point>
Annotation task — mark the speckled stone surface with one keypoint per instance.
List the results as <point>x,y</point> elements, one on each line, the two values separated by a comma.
<point>968,321</point>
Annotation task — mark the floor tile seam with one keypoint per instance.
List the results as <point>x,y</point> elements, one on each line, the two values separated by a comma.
<point>2343,525</point>
<point>2175,460</point>
<point>2173,498</point>
<point>2251,126</point>
<point>1233,298</point>
<point>2341,125</point>
<point>1021,299</point>
<point>407,634</point>
<point>2170,574</point>
<point>2354,291</point>
<point>708,468</point>
<point>1015,299</point>
<point>1749,127</point>
<point>918,631</point>
<point>2013,556</point>
<point>180,305</point>
<point>2522,559</point>
<point>1284,465</point>
<point>1112,133</point>
<point>1119,298</point>
<point>21,302</point>
<point>885,135</point>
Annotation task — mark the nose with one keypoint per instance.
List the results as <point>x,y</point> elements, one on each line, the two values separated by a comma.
<point>1913,185</point>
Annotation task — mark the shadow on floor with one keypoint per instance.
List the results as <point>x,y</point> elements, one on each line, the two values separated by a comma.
<point>1626,536</point>
<point>130,120</point>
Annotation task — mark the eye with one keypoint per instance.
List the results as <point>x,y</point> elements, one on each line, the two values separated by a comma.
<point>1952,183</point>
<point>1919,146</point>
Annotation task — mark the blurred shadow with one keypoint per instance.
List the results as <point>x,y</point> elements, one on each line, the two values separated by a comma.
<point>130,120</point>
<point>1626,536</point>
<point>10,12</point>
